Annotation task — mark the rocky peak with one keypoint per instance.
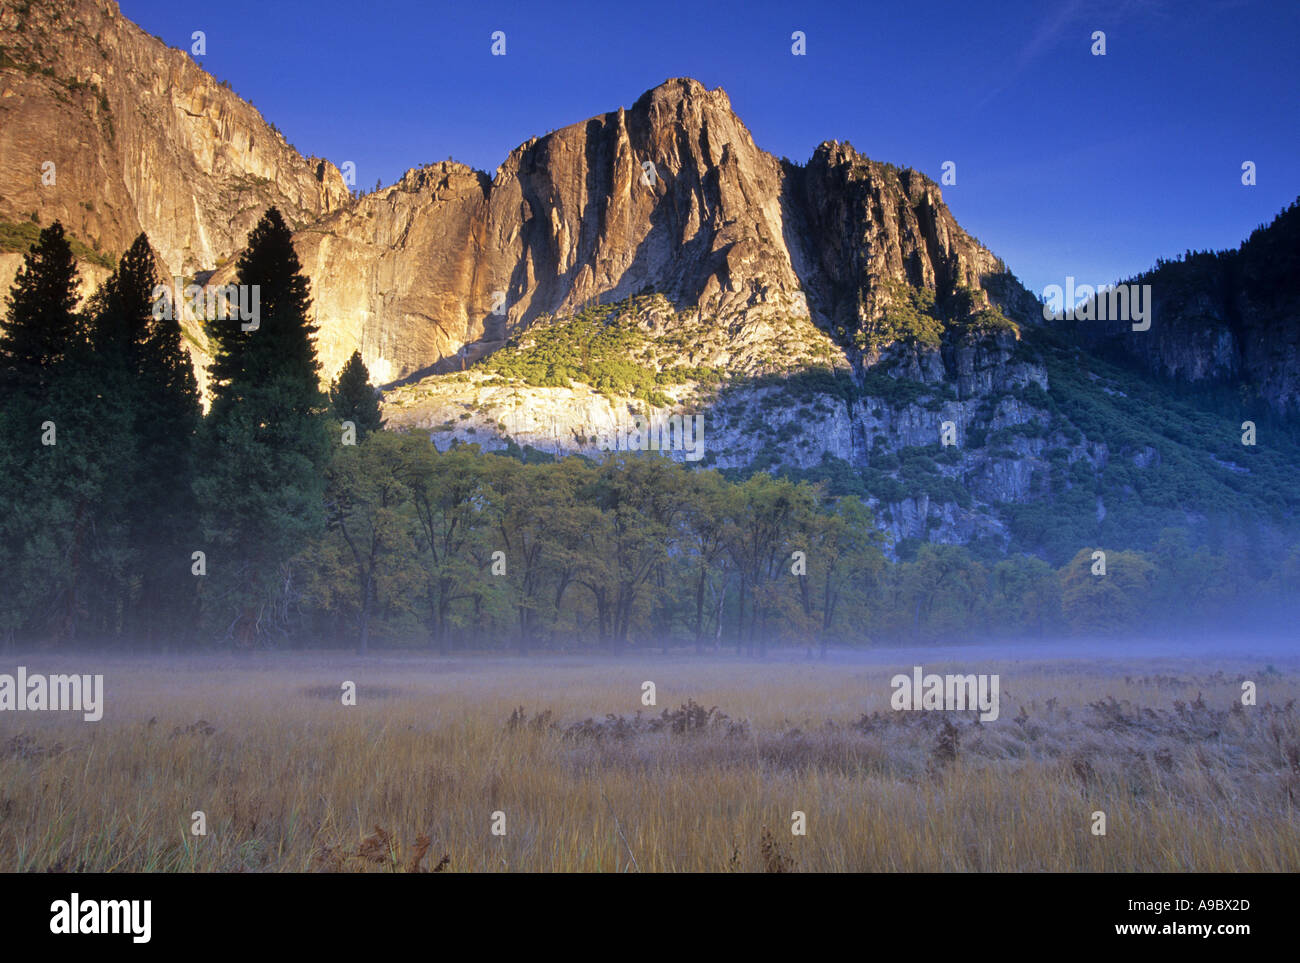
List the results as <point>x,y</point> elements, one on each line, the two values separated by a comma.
<point>671,195</point>
<point>440,176</point>
<point>876,224</point>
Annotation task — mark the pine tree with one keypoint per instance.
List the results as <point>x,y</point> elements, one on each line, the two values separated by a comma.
<point>42,324</point>
<point>152,382</point>
<point>100,378</point>
<point>355,399</point>
<point>47,488</point>
<point>265,441</point>
<point>167,429</point>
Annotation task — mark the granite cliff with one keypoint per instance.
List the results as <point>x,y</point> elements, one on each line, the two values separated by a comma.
<point>107,129</point>
<point>670,196</point>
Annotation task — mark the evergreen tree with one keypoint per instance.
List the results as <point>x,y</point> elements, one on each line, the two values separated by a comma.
<point>354,398</point>
<point>150,378</point>
<point>265,441</point>
<point>42,323</point>
<point>45,480</point>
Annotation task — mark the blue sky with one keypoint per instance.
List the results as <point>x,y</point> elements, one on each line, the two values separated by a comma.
<point>1066,163</point>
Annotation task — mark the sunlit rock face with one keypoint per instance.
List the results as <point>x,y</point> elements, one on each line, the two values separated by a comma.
<point>110,131</point>
<point>670,196</point>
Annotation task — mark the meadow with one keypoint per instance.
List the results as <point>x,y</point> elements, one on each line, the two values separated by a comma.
<point>561,754</point>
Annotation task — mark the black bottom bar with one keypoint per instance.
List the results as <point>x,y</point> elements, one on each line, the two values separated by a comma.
<point>337,912</point>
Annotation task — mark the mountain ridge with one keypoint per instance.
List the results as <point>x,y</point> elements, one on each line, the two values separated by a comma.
<point>831,318</point>
<point>1221,319</point>
<point>449,260</point>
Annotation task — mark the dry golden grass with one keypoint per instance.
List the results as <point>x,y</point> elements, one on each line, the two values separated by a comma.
<point>407,780</point>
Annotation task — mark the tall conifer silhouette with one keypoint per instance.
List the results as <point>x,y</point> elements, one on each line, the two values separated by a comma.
<point>265,441</point>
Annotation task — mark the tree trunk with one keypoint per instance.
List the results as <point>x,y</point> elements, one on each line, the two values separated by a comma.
<point>740,618</point>
<point>699,613</point>
<point>363,641</point>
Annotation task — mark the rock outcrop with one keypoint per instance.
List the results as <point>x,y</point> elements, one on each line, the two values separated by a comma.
<point>107,129</point>
<point>670,196</point>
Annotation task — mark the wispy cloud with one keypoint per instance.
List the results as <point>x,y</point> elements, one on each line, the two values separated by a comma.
<point>1043,39</point>
<point>1109,16</point>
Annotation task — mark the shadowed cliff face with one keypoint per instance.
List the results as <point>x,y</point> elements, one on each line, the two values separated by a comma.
<point>670,196</point>
<point>861,222</point>
<point>1222,318</point>
<point>141,139</point>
